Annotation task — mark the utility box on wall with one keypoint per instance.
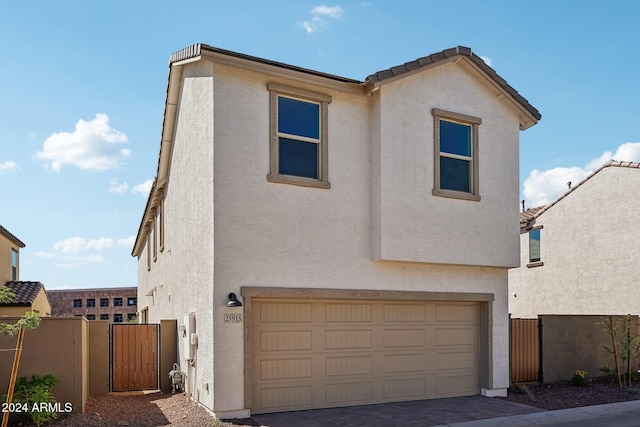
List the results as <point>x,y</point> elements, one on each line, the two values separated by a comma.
<point>189,337</point>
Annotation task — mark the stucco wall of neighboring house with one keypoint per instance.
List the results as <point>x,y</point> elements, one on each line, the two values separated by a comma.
<point>181,279</point>
<point>13,310</point>
<point>41,304</point>
<point>589,247</point>
<point>6,246</point>
<point>416,226</point>
<point>277,235</point>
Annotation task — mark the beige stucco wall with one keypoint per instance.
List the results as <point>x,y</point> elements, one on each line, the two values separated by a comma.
<point>6,246</point>
<point>277,235</point>
<point>98,356</point>
<point>181,280</point>
<point>58,346</point>
<point>589,247</point>
<point>416,226</point>
<point>41,304</point>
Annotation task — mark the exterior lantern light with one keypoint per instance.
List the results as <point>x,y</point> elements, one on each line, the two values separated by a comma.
<point>233,301</point>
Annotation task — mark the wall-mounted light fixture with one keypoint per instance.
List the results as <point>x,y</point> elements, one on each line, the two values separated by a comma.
<point>233,301</point>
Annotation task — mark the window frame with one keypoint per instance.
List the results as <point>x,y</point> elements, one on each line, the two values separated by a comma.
<point>77,303</point>
<point>117,319</point>
<point>91,302</point>
<point>117,302</point>
<point>15,263</point>
<point>474,175</point>
<point>277,90</point>
<point>104,316</point>
<point>535,262</point>
<point>134,299</point>
<point>104,302</point>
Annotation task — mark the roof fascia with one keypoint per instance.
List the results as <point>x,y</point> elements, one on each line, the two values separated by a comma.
<point>6,233</point>
<point>287,73</point>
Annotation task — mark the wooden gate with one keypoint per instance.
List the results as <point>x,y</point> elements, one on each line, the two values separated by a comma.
<point>134,354</point>
<point>524,341</point>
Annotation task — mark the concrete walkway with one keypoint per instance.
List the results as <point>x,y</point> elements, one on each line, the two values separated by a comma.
<point>473,411</point>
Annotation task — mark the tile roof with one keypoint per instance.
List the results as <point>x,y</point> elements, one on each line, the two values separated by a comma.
<point>528,215</point>
<point>11,237</point>
<point>196,50</point>
<point>446,55</point>
<point>26,292</point>
<point>611,163</point>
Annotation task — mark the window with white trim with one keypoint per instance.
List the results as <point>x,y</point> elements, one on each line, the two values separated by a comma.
<point>456,172</point>
<point>534,245</point>
<point>298,136</point>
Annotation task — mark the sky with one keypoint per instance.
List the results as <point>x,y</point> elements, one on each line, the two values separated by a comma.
<point>83,84</point>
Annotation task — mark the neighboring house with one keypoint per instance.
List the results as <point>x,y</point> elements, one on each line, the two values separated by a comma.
<point>361,225</point>
<point>113,304</point>
<point>10,247</point>
<point>29,296</point>
<point>579,254</point>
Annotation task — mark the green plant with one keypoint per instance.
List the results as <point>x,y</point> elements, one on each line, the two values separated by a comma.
<point>34,398</point>
<point>625,348</point>
<point>518,388</point>
<point>579,379</point>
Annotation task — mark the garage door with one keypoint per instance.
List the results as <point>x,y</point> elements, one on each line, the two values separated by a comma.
<point>318,354</point>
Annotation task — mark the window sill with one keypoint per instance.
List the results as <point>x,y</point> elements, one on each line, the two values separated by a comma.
<point>456,195</point>
<point>295,180</point>
<point>535,264</point>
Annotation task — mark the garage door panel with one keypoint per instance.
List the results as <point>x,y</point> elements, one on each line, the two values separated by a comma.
<point>394,363</point>
<point>285,369</point>
<point>455,313</point>
<point>285,398</point>
<point>349,365</point>
<point>447,336</point>
<point>456,360</point>
<point>288,312</point>
<point>348,339</point>
<point>404,338</point>
<point>404,388</point>
<point>353,393</point>
<point>348,313</point>
<point>451,386</point>
<point>285,340</point>
<point>354,353</point>
<point>404,313</point>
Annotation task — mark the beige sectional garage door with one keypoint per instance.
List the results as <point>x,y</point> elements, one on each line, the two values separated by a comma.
<point>319,354</point>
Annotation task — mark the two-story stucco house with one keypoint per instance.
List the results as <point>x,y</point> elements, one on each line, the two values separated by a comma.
<point>580,252</point>
<point>363,226</point>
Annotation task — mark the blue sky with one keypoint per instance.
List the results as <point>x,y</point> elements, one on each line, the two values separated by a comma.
<point>82,85</point>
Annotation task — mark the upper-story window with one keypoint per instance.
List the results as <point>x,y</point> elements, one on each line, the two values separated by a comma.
<point>14,264</point>
<point>298,136</point>
<point>132,301</point>
<point>77,303</point>
<point>91,302</point>
<point>104,302</point>
<point>456,155</point>
<point>534,246</point>
<point>117,302</point>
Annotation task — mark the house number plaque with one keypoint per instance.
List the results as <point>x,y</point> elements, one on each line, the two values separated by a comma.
<point>232,317</point>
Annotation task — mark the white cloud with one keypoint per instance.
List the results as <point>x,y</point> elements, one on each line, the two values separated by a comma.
<point>487,60</point>
<point>128,241</point>
<point>143,188</point>
<point>43,254</point>
<point>334,12</point>
<point>70,245</point>
<point>115,187</point>
<point>8,165</point>
<point>100,244</point>
<point>318,22</point>
<point>93,145</point>
<point>542,187</point>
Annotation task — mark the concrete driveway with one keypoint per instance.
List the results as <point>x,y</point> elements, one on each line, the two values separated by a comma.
<point>406,414</point>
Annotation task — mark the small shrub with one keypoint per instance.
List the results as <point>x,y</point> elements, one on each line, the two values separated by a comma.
<point>579,379</point>
<point>518,388</point>
<point>34,392</point>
